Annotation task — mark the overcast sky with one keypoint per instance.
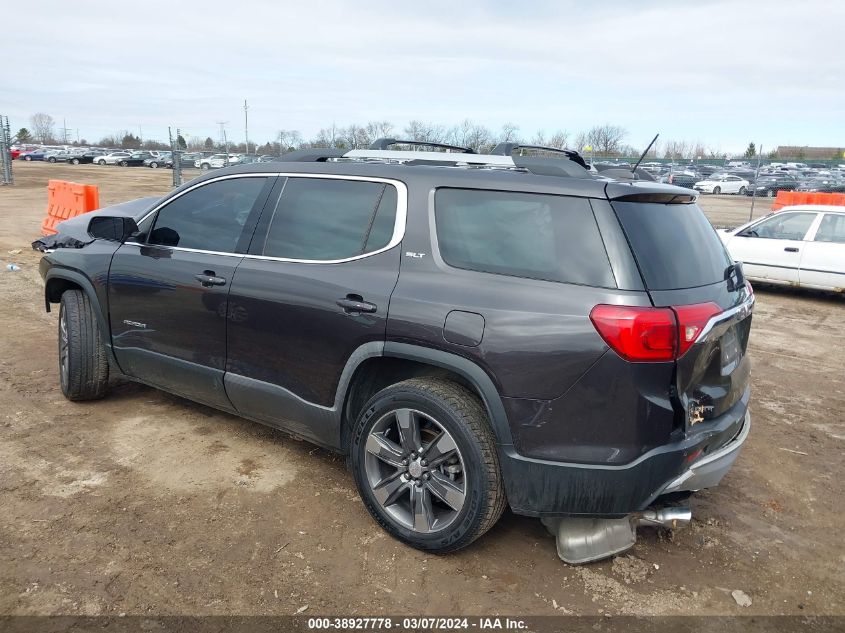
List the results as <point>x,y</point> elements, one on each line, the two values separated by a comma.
<point>724,73</point>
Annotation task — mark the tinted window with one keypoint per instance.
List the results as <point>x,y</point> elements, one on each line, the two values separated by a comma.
<point>832,228</point>
<point>321,219</point>
<point>553,238</point>
<point>210,217</point>
<point>674,244</point>
<point>784,226</point>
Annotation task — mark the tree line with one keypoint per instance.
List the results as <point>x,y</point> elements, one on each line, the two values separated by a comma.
<point>606,140</point>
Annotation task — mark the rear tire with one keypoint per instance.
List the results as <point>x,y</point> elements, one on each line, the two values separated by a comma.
<point>27,158</point>
<point>154,165</point>
<point>83,364</point>
<point>101,162</point>
<point>443,505</point>
<point>205,166</point>
<point>717,191</point>
<point>74,161</point>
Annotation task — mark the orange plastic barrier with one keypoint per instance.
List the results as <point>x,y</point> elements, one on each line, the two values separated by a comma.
<point>789,198</point>
<point>67,200</point>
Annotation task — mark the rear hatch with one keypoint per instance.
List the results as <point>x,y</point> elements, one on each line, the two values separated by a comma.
<point>685,267</point>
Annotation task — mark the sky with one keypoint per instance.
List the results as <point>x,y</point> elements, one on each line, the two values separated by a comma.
<point>720,72</point>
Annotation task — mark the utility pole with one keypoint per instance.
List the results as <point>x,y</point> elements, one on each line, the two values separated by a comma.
<point>754,185</point>
<point>246,126</point>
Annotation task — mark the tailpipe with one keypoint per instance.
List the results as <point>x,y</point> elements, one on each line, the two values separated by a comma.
<point>670,518</point>
<point>584,540</point>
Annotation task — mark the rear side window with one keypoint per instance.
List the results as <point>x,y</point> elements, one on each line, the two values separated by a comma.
<point>832,228</point>
<point>322,219</point>
<point>553,238</point>
<point>674,244</point>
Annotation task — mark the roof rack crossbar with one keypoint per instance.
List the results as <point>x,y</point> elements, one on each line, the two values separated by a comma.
<point>385,143</point>
<point>507,149</point>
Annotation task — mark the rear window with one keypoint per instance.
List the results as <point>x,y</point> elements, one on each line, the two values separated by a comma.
<point>553,238</point>
<point>674,244</point>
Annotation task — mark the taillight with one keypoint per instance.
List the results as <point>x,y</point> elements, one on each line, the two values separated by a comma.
<point>691,321</point>
<point>651,334</point>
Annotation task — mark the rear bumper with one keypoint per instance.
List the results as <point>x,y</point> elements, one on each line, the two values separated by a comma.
<point>545,488</point>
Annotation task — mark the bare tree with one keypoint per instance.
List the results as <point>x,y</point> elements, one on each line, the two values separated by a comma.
<point>675,150</point>
<point>606,138</point>
<point>558,139</point>
<point>424,131</point>
<point>379,129</point>
<point>539,138</point>
<point>509,133</point>
<point>582,139</point>
<point>42,126</point>
<point>469,134</point>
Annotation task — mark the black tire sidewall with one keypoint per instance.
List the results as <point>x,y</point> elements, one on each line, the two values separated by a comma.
<point>465,526</point>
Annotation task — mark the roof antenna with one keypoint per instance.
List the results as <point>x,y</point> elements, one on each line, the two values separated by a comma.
<point>634,168</point>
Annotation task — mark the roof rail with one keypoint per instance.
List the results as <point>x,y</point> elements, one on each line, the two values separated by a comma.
<point>506,149</point>
<point>385,143</point>
<point>431,158</point>
<point>313,155</point>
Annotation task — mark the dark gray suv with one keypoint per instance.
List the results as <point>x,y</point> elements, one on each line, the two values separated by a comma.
<point>473,331</point>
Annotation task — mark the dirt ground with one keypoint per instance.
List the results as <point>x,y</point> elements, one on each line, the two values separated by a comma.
<point>144,503</point>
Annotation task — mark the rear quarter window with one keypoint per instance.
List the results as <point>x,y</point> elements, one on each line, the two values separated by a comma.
<point>674,244</point>
<point>537,236</point>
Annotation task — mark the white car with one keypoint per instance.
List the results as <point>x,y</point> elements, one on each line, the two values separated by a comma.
<point>216,161</point>
<point>112,159</point>
<point>722,183</point>
<point>800,245</point>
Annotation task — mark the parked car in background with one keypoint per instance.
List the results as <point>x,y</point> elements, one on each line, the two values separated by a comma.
<point>112,158</point>
<point>35,154</point>
<point>158,159</point>
<point>681,177</point>
<point>216,161</point>
<point>135,159</point>
<point>801,245</point>
<point>86,158</point>
<point>822,185</point>
<point>722,183</point>
<point>769,185</point>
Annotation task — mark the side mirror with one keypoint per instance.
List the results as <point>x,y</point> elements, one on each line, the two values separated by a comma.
<point>112,228</point>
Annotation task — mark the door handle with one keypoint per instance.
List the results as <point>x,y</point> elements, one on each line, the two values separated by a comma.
<point>208,279</point>
<point>355,303</point>
<point>791,249</point>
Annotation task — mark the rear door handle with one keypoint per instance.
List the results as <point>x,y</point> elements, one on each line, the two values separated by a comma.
<point>208,279</point>
<point>791,249</point>
<point>354,303</point>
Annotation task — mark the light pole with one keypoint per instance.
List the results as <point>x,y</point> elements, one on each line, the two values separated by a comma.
<point>246,126</point>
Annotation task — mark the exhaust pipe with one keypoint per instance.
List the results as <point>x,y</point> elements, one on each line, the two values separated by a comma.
<point>670,518</point>
<point>582,540</point>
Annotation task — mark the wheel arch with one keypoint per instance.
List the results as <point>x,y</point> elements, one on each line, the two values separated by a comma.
<point>401,361</point>
<point>59,281</point>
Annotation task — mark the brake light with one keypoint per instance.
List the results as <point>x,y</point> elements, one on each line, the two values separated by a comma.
<point>651,334</point>
<point>691,321</point>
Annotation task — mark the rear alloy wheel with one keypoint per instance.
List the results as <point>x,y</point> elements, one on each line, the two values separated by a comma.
<point>27,158</point>
<point>123,163</point>
<point>426,465</point>
<point>101,162</point>
<point>717,191</point>
<point>51,160</point>
<point>742,191</point>
<point>83,365</point>
<point>154,165</point>
<point>205,166</point>
<point>74,161</point>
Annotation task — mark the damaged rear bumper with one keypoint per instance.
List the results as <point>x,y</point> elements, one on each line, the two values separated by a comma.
<point>542,488</point>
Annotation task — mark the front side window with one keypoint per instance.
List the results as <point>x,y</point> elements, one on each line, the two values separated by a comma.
<point>325,219</point>
<point>210,217</point>
<point>787,226</point>
<point>538,236</point>
<point>832,228</point>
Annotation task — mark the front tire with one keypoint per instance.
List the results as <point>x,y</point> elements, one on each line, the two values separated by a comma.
<point>154,165</point>
<point>205,166</point>
<point>101,162</point>
<point>742,191</point>
<point>83,365</point>
<point>28,158</point>
<point>717,191</point>
<point>74,161</point>
<point>426,466</point>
